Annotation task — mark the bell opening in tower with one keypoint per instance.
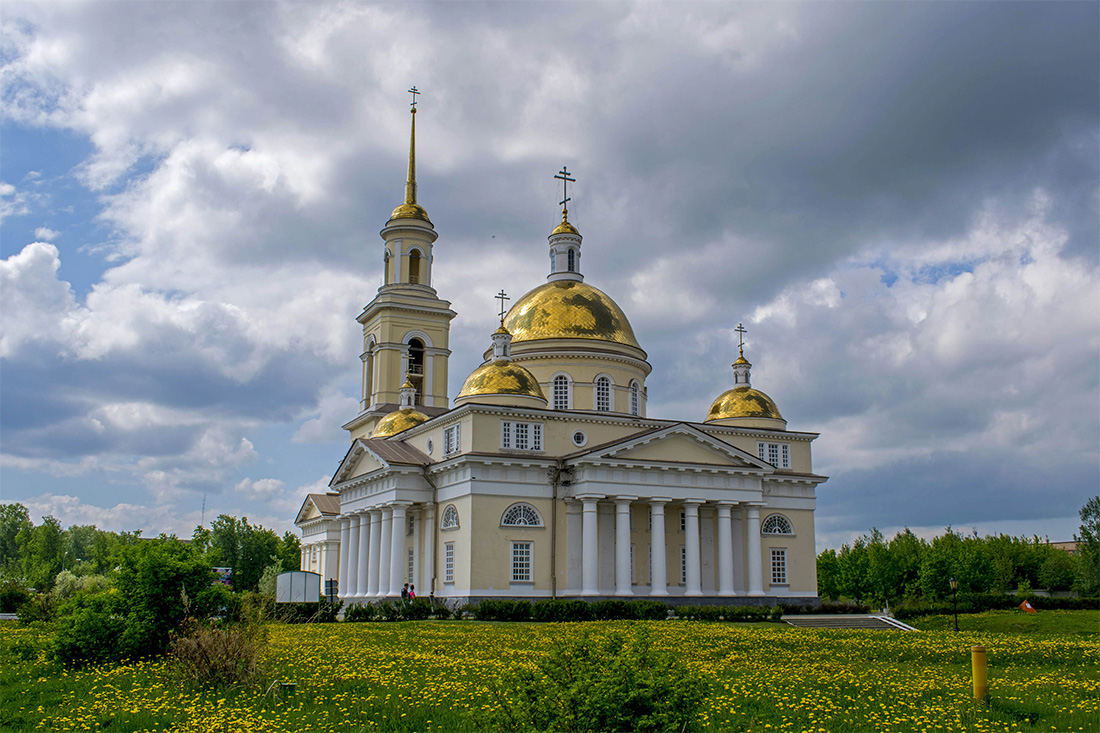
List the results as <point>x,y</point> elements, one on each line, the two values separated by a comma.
<point>415,369</point>
<point>414,267</point>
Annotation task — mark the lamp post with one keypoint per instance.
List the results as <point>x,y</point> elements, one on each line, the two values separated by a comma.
<point>955,599</point>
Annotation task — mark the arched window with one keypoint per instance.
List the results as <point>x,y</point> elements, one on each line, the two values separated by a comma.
<point>368,376</point>
<point>603,394</point>
<point>521,515</point>
<point>414,266</point>
<point>553,264</point>
<point>450,518</point>
<point>572,261</point>
<point>635,399</point>
<point>389,277</point>
<point>776,524</point>
<point>561,392</point>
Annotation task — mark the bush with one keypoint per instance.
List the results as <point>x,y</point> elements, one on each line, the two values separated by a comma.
<point>90,633</point>
<point>12,596</point>
<point>613,683</point>
<point>220,656</point>
<point>494,610</point>
<point>649,610</point>
<point>558,610</point>
<point>359,612</point>
<point>39,607</point>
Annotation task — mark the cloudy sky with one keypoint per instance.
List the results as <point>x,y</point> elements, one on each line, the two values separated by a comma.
<point>899,200</point>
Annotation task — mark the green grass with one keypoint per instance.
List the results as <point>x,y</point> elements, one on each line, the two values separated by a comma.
<point>1073,623</point>
<point>440,676</point>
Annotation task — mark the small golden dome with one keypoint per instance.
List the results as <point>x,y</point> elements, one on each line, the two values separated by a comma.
<point>741,360</point>
<point>568,309</point>
<point>565,228</point>
<point>502,329</point>
<point>410,211</point>
<point>408,384</point>
<point>501,377</point>
<point>398,421</point>
<point>743,402</point>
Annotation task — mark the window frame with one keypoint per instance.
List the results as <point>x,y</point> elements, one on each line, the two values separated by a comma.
<point>782,452</point>
<point>778,519</point>
<point>518,507</point>
<point>523,559</point>
<point>443,525</point>
<point>603,402</point>
<point>778,565</point>
<point>566,401</point>
<point>452,440</point>
<point>635,399</point>
<point>449,562</point>
<point>512,430</point>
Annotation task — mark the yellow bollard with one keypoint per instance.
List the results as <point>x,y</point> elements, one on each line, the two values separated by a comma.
<point>980,673</point>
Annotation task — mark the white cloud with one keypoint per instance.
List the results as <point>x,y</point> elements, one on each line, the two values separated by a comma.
<point>45,234</point>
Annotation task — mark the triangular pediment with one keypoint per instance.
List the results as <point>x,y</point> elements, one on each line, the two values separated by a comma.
<point>367,455</point>
<point>675,444</point>
<point>308,511</point>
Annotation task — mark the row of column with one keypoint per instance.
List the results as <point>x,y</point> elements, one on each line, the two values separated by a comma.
<point>590,567</point>
<point>372,551</point>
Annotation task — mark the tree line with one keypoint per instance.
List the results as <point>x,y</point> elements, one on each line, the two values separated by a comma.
<point>907,569</point>
<point>34,556</point>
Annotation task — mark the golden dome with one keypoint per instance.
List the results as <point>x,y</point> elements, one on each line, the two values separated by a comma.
<point>568,309</point>
<point>410,211</point>
<point>565,228</point>
<point>743,402</point>
<point>398,421</point>
<point>741,360</point>
<point>501,377</point>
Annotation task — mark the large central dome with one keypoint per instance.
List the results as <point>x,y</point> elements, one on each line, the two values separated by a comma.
<point>569,309</point>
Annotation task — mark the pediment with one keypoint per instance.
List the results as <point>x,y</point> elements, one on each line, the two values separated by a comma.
<point>367,455</point>
<point>676,444</point>
<point>308,511</point>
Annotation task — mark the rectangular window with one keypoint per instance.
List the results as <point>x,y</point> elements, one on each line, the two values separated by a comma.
<point>412,566</point>
<point>632,562</point>
<point>521,435</point>
<point>451,440</point>
<point>683,565</point>
<point>779,566</point>
<point>777,454</point>
<point>521,562</point>
<point>683,522</point>
<point>410,526</point>
<point>449,562</point>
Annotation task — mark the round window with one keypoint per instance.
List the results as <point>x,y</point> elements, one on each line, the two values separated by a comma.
<point>579,438</point>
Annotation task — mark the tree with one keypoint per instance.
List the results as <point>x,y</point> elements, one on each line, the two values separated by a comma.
<point>1059,571</point>
<point>14,520</point>
<point>245,548</point>
<point>908,551</point>
<point>882,569</point>
<point>828,575</point>
<point>42,553</point>
<point>854,570</point>
<point>290,551</point>
<point>1088,548</point>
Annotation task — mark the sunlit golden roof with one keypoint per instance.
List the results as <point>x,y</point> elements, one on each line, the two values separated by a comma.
<point>410,211</point>
<point>564,228</point>
<point>398,421</point>
<point>743,402</point>
<point>568,309</point>
<point>501,377</point>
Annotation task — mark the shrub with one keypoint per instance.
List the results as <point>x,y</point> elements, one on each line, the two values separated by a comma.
<point>221,656</point>
<point>417,609</point>
<point>502,610</point>
<point>612,609</point>
<point>613,683</point>
<point>39,607</point>
<point>359,612</point>
<point>561,610</point>
<point>649,610</point>
<point>90,633</point>
<point>12,596</point>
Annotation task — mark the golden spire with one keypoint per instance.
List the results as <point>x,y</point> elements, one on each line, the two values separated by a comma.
<point>741,331</point>
<point>410,209</point>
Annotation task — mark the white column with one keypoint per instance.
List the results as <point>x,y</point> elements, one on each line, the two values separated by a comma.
<point>756,568</point>
<point>302,561</point>
<point>345,543</point>
<point>375,552</point>
<point>427,566</point>
<point>363,567</point>
<point>693,586</point>
<point>622,545</point>
<point>385,546</point>
<point>397,551</point>
<point>353,557</point>
<point>658,580</point>
<point>725,551</point>
<point>590,560</point>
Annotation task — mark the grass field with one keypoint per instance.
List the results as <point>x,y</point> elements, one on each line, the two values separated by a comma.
<point>439,676</point>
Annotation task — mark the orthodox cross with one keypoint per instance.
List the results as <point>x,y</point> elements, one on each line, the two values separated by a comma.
<point>563,176</point>
<point>740,338</point>
<point>414,92</point>
<point>501,296</point>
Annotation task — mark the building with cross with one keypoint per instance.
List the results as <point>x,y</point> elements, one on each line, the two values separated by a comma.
<point>546,478</point>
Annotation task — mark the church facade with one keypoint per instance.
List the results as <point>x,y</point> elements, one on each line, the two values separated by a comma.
<point>545,478</point>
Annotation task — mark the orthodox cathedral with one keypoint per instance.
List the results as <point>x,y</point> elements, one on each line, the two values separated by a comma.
<point>545,478</point>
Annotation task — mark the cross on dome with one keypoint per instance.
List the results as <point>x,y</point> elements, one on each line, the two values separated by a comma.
<point>564,176</point>
<point>740,338</point>
<point>415,93</point>
<point>502,296</point>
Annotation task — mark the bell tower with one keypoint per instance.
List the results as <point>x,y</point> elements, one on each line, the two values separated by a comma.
<point>406,328</point>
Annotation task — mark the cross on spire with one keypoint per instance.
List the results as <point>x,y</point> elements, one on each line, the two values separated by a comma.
<point>740,339</point>
<point>563,176</point>
<point>415,93</point>
<point>502,296</point>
